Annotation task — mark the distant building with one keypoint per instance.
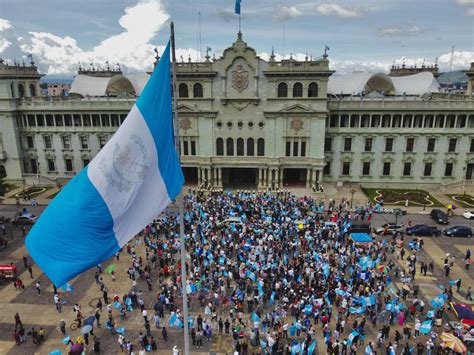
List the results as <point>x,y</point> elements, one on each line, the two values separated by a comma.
<point>247,121</point>
<point>57,89</point>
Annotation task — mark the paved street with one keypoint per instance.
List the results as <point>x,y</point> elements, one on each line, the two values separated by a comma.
<point>38,310</point>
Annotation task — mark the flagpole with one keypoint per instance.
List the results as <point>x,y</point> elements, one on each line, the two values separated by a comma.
<point>180,198</point>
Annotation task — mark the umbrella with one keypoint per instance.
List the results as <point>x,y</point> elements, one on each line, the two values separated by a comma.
<point>86,329</point>
<point>110,269</point>
<point>77,349</point>
<point>89,320</point>
<point>452,342</point>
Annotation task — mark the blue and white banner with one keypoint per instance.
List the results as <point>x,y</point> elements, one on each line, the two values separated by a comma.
<point>175,321</point>
<point>351,337</point>
<point>368,301</point>
<point>128,184</point>
<point>426,327</point>
<point>312,347</point>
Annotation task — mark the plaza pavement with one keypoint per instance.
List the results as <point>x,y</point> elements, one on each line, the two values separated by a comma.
<point>39,311</point>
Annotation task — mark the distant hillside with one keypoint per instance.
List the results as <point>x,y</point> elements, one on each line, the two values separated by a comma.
<point>454,77</point>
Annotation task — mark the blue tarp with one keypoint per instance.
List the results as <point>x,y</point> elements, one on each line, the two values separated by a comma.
<point>361,237</point>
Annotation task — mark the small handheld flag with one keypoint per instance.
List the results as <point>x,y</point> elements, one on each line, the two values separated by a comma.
<point>127,185</point>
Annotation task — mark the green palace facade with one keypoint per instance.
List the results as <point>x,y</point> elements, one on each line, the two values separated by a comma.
<point>245,121</point>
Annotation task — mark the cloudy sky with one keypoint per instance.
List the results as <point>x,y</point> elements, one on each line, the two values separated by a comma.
<point>362,35</point>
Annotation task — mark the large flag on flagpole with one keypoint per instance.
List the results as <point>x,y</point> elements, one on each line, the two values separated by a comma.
<point>128,184</point>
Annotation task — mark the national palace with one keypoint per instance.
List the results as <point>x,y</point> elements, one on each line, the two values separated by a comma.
<point>245,121</point>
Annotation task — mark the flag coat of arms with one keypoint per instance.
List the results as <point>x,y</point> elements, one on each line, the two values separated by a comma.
<point>128,184</point>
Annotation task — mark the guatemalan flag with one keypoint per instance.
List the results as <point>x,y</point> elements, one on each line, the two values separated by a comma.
<point>128,184</point>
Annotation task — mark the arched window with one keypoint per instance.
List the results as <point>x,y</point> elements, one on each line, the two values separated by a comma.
<point>282,90</point>
<point>260,147</point>
<point>32,90</point>
<point>240,147</point>
<point>197,90</point>
<point>183,90</point>
<point>298,90</point>
<point>313,90</point>
<point>21,90</point>
<point>220,146</point>
<point>250,147</point>
<point>230,146</point>
<point>3,172</point>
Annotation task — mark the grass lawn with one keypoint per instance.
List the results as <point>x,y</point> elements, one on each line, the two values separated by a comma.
<point>465,201</point>
<point>53,195</point>
<point>398,197</point>
<point>33,191</point>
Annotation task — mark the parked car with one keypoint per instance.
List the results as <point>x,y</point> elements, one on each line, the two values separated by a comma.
<point>439,216</point>
<point>25,220</point>
<point>389,228</point>
<point>421,230</point>
<point>458,231</point>
<point>468,214</point>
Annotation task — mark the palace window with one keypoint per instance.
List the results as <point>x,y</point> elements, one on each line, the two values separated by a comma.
<point>86,120</point>
<point>240,147</point>
<point>448,171</point>
<point>388,144</point>
<point>85,162</point>
<point>406,169</point>
<point>40,120</point>
<point>32,90</point>
<point>105,120</point>
<point>230,147</point>
<point>282,90</point>
<point>48,144</point>
<point>96,120</point>
<point>260,147</point>
<point>67,120</point>
<point>327,144</point>
<point>115,121</point>
<point>431,145</point>
<point>452,145</point>
<point>327,169</point>
<point>471,147</point>
<point>427,169</point>
<point>250,147</point>
<point>386,168</point>
<point>347,144</point>
<point>21,90</point>
<point>193,147</point>
<point>346,168</point>
<point>185,148</point>
<point>313,90</point>
<point>31,121</point>
<point>197,90</point>
<point>66,142</point>
<point>410,144</point>
<point>69,166</point>
<point>183,90</point>
<point>298,90</point>
<point>77,120</point>
<point>368,145</point>
<point>366,168</point>
<point>84,142</point>
<point>102,141</point>
<point>219,146</point>
<point>30,142</point>
<point>51,165</point>
<point>49,121</point>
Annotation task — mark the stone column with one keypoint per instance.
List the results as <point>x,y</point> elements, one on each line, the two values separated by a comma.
<point>219,176</point>
<point>309,174</point>
<point>199,176</point>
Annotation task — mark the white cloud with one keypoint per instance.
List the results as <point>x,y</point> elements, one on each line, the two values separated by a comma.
<point>132,48</point>
<point>399,31</point>
<point>333,9</point>
<point>5,26</point>
<point>469,11</point>
<point>465,2</point>
<point>283,13</point>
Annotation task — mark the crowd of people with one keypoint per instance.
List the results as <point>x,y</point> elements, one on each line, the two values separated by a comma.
<point>277,274</point>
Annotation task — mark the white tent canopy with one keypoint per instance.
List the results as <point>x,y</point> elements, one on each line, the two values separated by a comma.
<point>132,84</point>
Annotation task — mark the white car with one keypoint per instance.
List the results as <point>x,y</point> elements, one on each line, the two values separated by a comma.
<point>468,214</point>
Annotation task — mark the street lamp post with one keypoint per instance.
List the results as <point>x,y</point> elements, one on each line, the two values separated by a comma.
<point>352,196</point>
